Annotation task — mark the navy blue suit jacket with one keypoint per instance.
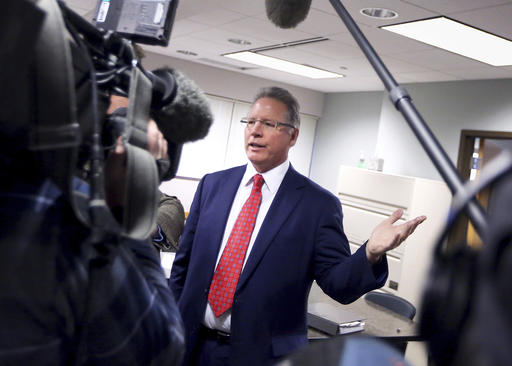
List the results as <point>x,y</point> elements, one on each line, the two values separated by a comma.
<point>301,240</point>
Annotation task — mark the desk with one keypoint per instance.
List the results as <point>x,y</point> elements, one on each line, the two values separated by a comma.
<point>379,322</point>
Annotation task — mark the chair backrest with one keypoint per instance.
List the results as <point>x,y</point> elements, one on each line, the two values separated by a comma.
<point>392,302</point>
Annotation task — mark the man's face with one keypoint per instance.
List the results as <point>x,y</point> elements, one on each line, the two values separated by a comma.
<point>267,147</point>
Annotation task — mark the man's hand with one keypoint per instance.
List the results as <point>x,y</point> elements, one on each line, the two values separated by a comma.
<point>115,168</point>
<point>157,144</point>
<point>387,236</point>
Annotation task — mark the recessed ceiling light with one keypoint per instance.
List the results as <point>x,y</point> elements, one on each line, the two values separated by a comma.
<point>282,65</point>
<point>458,38</point>
<point>188,53</point>
<point>379,13</point>
<point>239,41</point>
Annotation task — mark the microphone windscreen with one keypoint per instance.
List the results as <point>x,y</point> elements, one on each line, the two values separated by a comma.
<point>287,13</point>
<point>186,118</point>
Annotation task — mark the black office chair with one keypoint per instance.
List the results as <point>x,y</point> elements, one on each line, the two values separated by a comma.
<point>396,304</point>
<point>392,302</point>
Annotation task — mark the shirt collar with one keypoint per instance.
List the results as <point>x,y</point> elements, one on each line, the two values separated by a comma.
<point>273,177</point>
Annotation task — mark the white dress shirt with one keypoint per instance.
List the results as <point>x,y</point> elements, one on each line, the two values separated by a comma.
<point>273,179</point>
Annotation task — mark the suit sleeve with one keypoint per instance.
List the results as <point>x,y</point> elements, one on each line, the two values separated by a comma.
<point>171,220</point>
<point>182,259</point>
<point>342,276</point>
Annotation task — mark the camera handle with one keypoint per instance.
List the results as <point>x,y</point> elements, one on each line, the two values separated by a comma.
<point>141,179</point>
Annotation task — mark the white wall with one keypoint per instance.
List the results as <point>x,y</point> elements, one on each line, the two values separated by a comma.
<point>368,121</point>
<point>447,108</point>
<point>349,124</point>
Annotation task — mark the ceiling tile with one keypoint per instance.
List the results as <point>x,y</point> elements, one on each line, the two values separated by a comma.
<point>398,66</point>
<point>473,73</point>
<point>436,59</point>
<point>322,24</point>
<point>217,17</point>
<point>221,36</point>
<point>425,77</point>
<point>500,25</point>
<point>331,49</point>
<point>187,43</point>
<point>186,27</point>
<point>406,12</point>
<point>246,7</point>
<point>191,8</point>
<point>358,67</point>
<point>187,9</point>
<point>454,6</point>
<point>351,84</point>
<point>264,30</point>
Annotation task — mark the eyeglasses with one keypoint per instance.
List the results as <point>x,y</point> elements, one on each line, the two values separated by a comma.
<point>268,124</point>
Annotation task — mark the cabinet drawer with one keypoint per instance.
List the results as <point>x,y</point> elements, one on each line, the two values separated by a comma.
<point>375,186</point>
<point>395,270</point>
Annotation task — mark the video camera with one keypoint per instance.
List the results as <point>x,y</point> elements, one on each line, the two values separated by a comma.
<point>63,71</point>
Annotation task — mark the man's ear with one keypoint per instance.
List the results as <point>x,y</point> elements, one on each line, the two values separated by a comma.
<point>295,136</point>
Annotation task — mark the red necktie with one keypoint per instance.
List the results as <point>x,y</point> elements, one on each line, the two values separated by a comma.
<point>230,265</point>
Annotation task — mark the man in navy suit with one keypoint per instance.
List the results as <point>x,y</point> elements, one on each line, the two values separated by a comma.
<point>297,238</point>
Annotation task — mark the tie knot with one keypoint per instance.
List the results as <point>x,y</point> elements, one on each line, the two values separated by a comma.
<point>258,181</point>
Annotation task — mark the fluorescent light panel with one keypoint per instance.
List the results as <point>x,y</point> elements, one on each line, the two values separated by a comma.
<point>458,38</point>
<point>282,65</point>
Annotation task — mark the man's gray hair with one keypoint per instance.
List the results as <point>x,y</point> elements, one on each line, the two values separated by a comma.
<point>285,97</point>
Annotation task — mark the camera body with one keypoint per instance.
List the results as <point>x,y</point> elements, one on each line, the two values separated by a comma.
<point>56,86</point>
<point>148,22</point>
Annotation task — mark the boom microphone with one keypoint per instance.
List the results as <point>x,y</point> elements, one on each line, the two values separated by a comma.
<point>287,13</point>
<point>179,107</point>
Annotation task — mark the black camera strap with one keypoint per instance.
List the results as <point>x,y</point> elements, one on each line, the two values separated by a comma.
<point>141,181</point>
<point>55,133</point>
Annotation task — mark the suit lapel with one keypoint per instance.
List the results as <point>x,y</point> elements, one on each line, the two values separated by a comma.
<point>286,199</point>
<point>224,194</point>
